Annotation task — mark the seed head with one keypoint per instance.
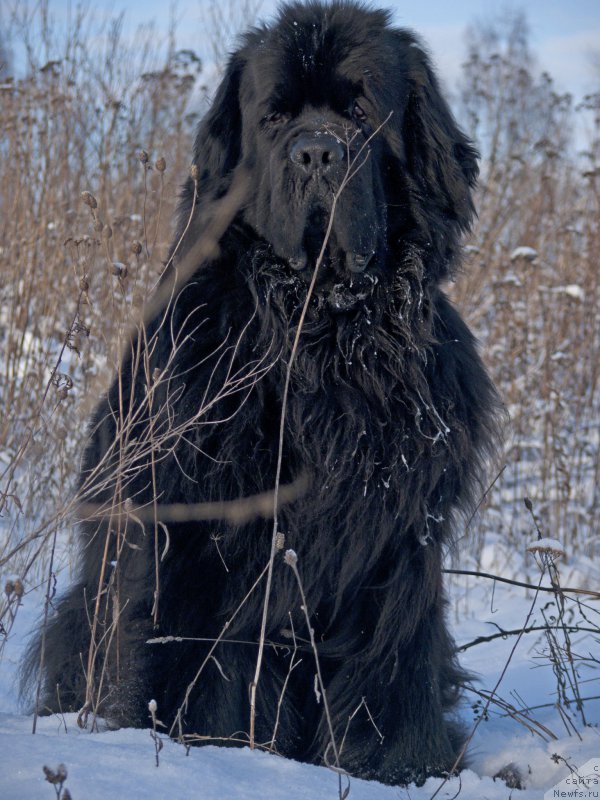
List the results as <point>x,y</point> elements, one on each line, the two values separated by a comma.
<point>56,776</point>
<point>51,776</point>
<point>9,588</point>
<point>195,172</point>
<point>18,589</point>
<point>119,269</point>
<point>136,247</point>
<point>548,547</point>
<point>107,232</point>
<point>161,164</point>
<point>89,199</point>
<point>143,157</point>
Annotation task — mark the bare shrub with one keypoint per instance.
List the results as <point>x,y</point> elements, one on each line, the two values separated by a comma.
<point>76,266</point>
<point>530,289</point>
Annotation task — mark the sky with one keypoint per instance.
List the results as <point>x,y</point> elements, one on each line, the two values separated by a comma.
<point>565,34</point>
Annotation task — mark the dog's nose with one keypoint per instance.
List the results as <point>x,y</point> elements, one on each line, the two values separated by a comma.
<point>317,152</point>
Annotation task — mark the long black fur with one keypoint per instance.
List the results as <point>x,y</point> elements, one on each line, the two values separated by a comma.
<point>390,414</point>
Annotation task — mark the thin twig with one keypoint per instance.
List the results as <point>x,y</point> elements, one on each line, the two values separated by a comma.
<point>14,462</point>
<point>291,559</point>
<point>502,634</point>
<point>282,419</point>
<point>492,695</point>
<point>47,600</point>
<point>552,589</point>
<point>178,721</point>
<point>237,512</point>
<point>292,667</point>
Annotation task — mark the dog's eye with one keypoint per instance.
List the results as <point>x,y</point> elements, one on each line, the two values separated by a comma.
<point>358,112</point>
<point>276,118</point>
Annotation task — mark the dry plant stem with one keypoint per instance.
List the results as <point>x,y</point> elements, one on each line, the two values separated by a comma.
<point>114,515</point>
<point>89,683</point>
<point>160,204</point>
<point>492,695</point>
<point>362,704</point>
<point>13,591</point>
<point>502,634</point>
<point>60,711</point>
<point>238,512</point>
<point>263,627</point>
<point>484,495</point>
<point>236,738</point>
<point>293,665</point>
<point>536,588</point>
<point>553,705</point>
<point>518,714</point>
<point>134,451</point>
<point>150,383</point>
<point>292,561</point>
<point>38,690</point>
<point>181,238</point>
<point>145,168</point>
<point>120,522</point>
<point>122,424</point>
<point>560,656</point>
<point>206,244</point>
<point>170,639</point>
<point>12,466</point>
<point>178,722</point>
<point>568,722</point>
<point>39,533</point>
<point>158,745</point>
<point>352,169</point>
<point>113,630</point>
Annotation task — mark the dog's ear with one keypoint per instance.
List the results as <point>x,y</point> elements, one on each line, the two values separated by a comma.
<point>217,149</point>
<point>218,140</point>
<point>441,159</point>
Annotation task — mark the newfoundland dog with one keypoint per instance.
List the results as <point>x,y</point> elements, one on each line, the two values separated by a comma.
<point>299,360</point>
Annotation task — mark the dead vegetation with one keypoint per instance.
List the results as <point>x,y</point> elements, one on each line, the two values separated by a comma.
<point>530,287</point>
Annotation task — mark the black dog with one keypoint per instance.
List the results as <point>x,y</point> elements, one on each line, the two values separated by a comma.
<point>389,418</point>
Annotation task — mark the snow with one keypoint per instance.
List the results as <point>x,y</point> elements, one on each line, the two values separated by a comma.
<point>121,764</point>
<point>526,253</point>
<point>571,290</point>
<point>510,279</point>
<point>546,545</point>
<point>529,731</point>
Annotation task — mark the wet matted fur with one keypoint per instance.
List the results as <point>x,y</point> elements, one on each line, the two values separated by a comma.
<point>390,414</point>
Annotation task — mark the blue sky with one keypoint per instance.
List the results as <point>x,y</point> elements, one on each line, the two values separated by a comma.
<point>564,33</point>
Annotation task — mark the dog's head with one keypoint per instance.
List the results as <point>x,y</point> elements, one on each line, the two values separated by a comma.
<point>340,122</point>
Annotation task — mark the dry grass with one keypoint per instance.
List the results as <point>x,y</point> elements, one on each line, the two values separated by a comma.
<point>536,312</point>
<point>76,268</point>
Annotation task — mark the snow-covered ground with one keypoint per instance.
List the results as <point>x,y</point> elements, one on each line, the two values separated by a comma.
<point>121,764</point>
